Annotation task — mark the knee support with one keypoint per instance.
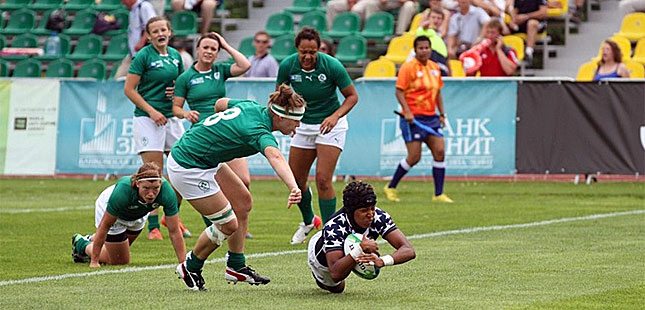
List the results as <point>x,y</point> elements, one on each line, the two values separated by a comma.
<point>215,235</point>
<point>222,217</point>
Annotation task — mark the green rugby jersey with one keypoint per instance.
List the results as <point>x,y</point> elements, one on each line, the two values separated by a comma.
<point>124,203</point>
<point>317,87</point>
<point>244,129</point>
<point>157,72</point>
<point>202,89</point>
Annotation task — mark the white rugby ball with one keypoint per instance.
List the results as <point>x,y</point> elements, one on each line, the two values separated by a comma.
<point>363,270</point>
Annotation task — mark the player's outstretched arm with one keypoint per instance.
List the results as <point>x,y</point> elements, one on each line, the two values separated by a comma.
<point>99,238</point>
<point>176,237</point>
<point>280,166</point>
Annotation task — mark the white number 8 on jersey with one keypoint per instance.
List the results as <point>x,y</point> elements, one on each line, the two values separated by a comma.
<point>224,115</point>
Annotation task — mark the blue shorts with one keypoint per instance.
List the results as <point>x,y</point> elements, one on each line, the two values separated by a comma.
<point>412,132</point>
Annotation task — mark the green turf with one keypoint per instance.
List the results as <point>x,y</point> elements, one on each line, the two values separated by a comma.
<point>594,264</point>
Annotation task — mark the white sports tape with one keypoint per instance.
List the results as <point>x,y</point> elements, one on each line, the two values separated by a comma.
<point>388,260</point>
<point>215,235</point>
<point>223,216</point>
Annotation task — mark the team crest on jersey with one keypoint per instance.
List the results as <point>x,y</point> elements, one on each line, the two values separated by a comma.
<point>322,78</point>
<point>156,64</point>
<point>216,75</point>
<point>196,81</point>
<point>296,78</point>
<point>155,205</point>
<point>204,186</point>
<point>144,141</point>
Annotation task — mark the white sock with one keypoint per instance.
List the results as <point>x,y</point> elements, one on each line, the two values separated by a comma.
<point>529,51</point>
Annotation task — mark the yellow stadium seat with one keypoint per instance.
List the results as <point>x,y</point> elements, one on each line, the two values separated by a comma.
<point>586,71</point>
<point>633,26</point>
<point>636,70</point>
<point>516,43</point>
<point>380,68</point>
<point>639,51</point>
<point>562,11</point>
<point>399,48</point>
<point>416,21</point>
<point>623,44</point>
<point>456,68</point>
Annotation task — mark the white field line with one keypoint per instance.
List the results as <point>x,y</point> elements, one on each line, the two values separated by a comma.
<point>39,210</point>
<point>281,253</point>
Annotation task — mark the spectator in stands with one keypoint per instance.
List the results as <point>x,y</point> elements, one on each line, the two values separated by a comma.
<point>186,57</point>
<point>262,63</point>
<point>429,27</point>
<point>406,9</point>
<point>205,7</point>
<point>365,8</point>
<point>465,27</point>
<point>443,28</point>
<point>497,59</point>
<point>611,63</point>
<point>630,6</point>
<point>495,9</point>
<point>530,18</point>
<point>327,47</point>
<point>140,12</point>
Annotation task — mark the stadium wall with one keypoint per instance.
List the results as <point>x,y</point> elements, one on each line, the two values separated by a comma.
<point>85,127</point>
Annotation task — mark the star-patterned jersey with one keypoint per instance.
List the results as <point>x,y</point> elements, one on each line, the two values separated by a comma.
<point>125,204</point>
<point>339,227</point>
<point>157,72</point>
<point>317,87</point>
<point>202,89</point>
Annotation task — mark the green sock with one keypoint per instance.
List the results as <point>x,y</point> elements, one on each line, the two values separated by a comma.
<point>207,222</point>
<point>236,261</point>
<point>193,263</point>
<point>153,222</point>
<point>81,245</point>
<point>305,207</point>
<point>327,208</point>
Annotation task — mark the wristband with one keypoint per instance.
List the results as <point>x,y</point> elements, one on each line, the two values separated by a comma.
<point>356,252</point>
<point>388,260</point>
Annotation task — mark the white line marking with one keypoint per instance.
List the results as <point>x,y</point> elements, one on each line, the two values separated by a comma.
<point>18,211</point>
<point>270,254</point>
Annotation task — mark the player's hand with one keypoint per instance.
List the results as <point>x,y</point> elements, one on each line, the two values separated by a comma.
<point>192,116</point>
<point>368,245</point>
<point>158,118</point>
<point>328,124</point>
<point>370,258</point>
<point>222,41</point>
<point>294,197</point>
<point>409,117</point>
<point>94,264</point>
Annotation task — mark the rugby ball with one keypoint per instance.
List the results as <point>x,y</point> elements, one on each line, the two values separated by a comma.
<point>365,271</point>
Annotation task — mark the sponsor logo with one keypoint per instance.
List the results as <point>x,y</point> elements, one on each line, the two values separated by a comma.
<point>196,81</point>
<point>156,64</point>
<point>132,207</point>
<point>308,77</point>
<point>296,78</point>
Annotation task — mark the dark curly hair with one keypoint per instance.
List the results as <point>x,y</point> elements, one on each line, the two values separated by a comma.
<point>358,194</point>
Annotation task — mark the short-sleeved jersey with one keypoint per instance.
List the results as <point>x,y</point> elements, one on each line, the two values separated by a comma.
<point>157,72</point>
<point>420,85</point>
<point>244,129</point>
<point>339,227</point>
<point>528,6</point>
<point>490,63</point>
<point>125,204</point>
<point>317,87</point>
<point>202,89</point>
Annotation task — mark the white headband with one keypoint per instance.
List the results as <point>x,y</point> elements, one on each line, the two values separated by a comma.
<point>296,114</point>
<point>150,179</point>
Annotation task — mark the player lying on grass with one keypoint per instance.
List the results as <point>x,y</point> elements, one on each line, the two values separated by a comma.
<point>120,215</point>
<point>359,214</point>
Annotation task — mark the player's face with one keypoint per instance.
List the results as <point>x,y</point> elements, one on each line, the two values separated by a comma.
<point>423,50</point>
<point>158,33</point>
<point>207,51</point>
<point>287,126</point>
<point>364,216</point>
<point>307,56</point>
<point>149,190</point>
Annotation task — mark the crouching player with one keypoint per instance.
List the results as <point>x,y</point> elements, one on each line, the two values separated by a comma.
<point>359,214</point>
<point>120,215</point>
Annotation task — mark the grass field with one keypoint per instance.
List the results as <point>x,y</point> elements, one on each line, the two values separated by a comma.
<point>502,245</point>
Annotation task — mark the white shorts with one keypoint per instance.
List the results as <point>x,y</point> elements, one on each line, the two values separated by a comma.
<point>319,271</point>
<point>150,137</point>
<point>308,135</point>
<point>192,183</point>
<point>120,226</point>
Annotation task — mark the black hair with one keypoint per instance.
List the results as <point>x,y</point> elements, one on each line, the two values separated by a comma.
<point>308,33</point>
<point>421,39</point>
<point>357,195</point>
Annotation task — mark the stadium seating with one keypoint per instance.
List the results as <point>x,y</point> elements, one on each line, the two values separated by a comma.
<point>20,21</point>
<point>4,68</point>
<point>345,24</point>
<point>399,48</point>
<point>623,44</point>
<point>283,46</point>
<point>93,69</point>
<point>517,44</point>
<point>122,18</point>
<point>351,49</point>
<point>3,42</point>
<point>115,67</point>
<point>60,68</point>
<point>279,24</point>
<point>586,71</point>
<point>456,68</point>
<point>416,21</point>
<point>380,68</point>
<point>87,47</point>
<point>82,23</point>
<point>27,68</point>
<point>561,13</point>
<point>25,40</point>
<point>542,40</point>
<point>378,26</point>
<point>42,5</point>
<point>314,19</point>
<point>9,5</point>
<point>65,48</point>
<point>78,5</point>
<point>636,70</point>
<point>117,48</point>
<point>639,51</point>
<point>246,47</point>
<point>303,6</point>
<point>184,23</point>
<point>40,29</point>
<point>110,5</point>
<point>633,26</point>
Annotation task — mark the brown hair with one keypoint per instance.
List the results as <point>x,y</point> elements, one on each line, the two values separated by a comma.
<point>285,97</point>
<point>156,19</point>
<point>261,33</point>
<point>147,170</point>
<point>212,36</point>
<point>618,55</point>
<point>495,23</point>
<point>437,11</point>
<point>308,33</point>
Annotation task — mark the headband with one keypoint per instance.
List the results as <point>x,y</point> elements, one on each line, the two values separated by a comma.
<point>296,114</point>
<point>149,179</point>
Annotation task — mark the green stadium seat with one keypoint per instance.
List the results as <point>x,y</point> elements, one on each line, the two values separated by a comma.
<point>82,24</point>
<point>88,47</point>
<point>283,46</point>
<point>3,42</point>
<point>184,23</point>
<point>65,48</point>
<point>117,48</point>
<point>303,6</point>
<point>60,68</point>
<point>40,29</point>
<point>246,47</point>
<point>4,68</point>
<point>315,20</point>
<point>93,69</point>
<point>279,24</point>
<point>122,17</point>
<point>352,49</point>
<point>27,68</point>
<point>41,5</point>
<point>25,40</point>
<point>115,67</point>
<point>378,26</point>
<point>78,5</point>
<point>10,5</point>
<point>110,5</point>
<point>345,24</point>
<point>20,21</point>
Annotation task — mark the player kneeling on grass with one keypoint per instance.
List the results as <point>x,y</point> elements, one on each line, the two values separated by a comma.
<point>359,214</point>
<point>120,215</point>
